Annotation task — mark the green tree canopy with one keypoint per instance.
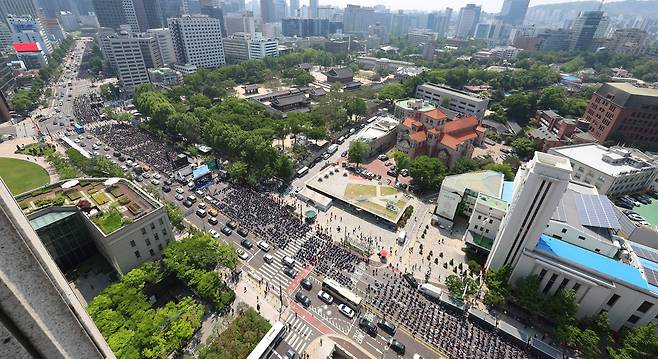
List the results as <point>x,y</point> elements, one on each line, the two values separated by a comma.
<point>357,151</point>
<point>427,172</point>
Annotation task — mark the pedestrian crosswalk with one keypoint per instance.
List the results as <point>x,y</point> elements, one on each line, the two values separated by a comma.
<point>272,273</point>
<point>299,334</point>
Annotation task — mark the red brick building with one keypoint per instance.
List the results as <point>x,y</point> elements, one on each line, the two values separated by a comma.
<point>625,110</point>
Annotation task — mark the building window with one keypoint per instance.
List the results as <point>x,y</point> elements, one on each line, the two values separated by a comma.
<point>164,232</point>
<point>137,254</point>
<point>132,244</point>
<point>148,241</point>
<point>152,226</point>
<point>549,284</point>
<point>645,307</point>
<point>151,252</point>
<point>541,275</point>
<point>161,221</point>
<point>157,238</point>
<point>564,230</point>
<point>613,300</point>
<point>576,287</point>
<point>160,247</point>
<point>143,231</point>
<point>633,319</point>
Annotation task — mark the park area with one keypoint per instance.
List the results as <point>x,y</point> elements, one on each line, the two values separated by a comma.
<point>22,176</point>
<point>371,196</point>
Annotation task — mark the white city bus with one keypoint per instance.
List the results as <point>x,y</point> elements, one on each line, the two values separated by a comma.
<point>269,341</point>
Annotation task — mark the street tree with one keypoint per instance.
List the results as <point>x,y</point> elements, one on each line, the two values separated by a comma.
<point>427,172</point>
<point>357,151</point>
<point>402,161</point>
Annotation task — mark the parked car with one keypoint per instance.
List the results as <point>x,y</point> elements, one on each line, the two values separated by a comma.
<point>213,233</point>
<point>325,297</point>
<point>213,220</point>
<point>303,299</point>
<point>306,284</point>
<point>243,232</point>
<point>396,346</point>
<point>227,231</point>
<point>386,326</point>
<point>368,327</point>
<point>242,254</point>
<point>347,311</point>
<point>246,243</point>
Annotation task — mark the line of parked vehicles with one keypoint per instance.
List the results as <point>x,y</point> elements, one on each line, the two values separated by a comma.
<point>636,200</point>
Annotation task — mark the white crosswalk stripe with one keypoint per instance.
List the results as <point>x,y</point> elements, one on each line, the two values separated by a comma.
<point>299,334</point>
<point>272,273</point>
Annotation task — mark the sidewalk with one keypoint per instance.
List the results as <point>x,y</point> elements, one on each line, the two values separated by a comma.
<point>322,347</point>
<point>255,296</point>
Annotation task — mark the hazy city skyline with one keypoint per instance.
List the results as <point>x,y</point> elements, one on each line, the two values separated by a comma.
<point>423,5</point>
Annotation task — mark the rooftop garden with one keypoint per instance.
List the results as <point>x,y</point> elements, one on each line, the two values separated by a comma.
<point>110,221</point>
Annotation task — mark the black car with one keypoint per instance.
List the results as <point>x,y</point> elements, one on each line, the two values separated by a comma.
<point>213,221</point>
<point>396,346</point>
<point>303,299</point>
<point>232,225</point>
<point>187,203</point>
<point>306,284</point>
<point>243,232</point>
<point>116,154</point>
<point>368,327</point>
<point>386,326</point>
<point>227,231</point>
<point>290,354</point>
<point>245,242</point>
<point>166,189</point>
<point>411,280</point>
<point>169,182</point>
<point>289,272</point>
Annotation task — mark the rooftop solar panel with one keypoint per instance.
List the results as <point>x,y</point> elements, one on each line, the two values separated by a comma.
<point>596,211</point>
<point>645,252</point>
<point>652,276</point>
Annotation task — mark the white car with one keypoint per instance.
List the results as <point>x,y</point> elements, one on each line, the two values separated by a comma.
<point>214,233</point>
<point>264,246</point>
<point>325,297</point>
<point>347,311</point>
<point>155,182</point>
<point>157,176</point>
<point>242,254</point>
<point>180,190</point>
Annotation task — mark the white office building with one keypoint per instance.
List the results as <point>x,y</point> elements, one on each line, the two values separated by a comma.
<point>198,41</point>
<point>165,45</point>
<point>566,234</point>
<point>124,52</point>
<point>243,46</point>
<point>613,171</point>
<point>240,22</point>
<point>463,102</point>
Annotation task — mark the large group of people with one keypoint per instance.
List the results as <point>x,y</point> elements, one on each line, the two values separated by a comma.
<point>338,263</point>
<point>137,143</point>
<point>83,111</point>
<point>450,332</point>
<point>262,214</point>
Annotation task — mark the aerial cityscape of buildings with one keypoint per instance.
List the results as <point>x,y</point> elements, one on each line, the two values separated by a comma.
<point>301,179</point>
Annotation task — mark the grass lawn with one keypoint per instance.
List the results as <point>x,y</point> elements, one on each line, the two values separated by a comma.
<point>100,198</point>
<point>21,176</point>
<point>353,191</point>
<point>388,191</point>
<point>383,211</point>
<point>649,212</point>
<point>109,221</point>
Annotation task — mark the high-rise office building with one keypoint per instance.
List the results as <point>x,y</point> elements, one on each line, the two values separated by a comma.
<point>308,27</point>
<point>198,41</point>
<point>42,317</point>
<point>244,46</point>
<point>267,11</point>
<point>313,9</point>
<point>29,29</point>
<point>215,12</point>
<point>233,6</point>
<point>469,16</point>
<point>294,8</point>
<point>439,21</point>
<point>583,30</point>
<point>357,19</point>
<point>538,188</point>
<point>243,22</point>
<point>165,45</point>
<point>513,11</point>
<point>126,57</point>
<point>19,8</point>
<point>602,29</point>
<point>280,10</point>
<point>153,17</point>
<point>114,13</point>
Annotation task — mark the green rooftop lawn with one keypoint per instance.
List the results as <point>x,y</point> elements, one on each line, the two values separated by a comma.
<point>100,198</point>
<point>353,191</point>
<point>109,222</point>
<point>22,176</point>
